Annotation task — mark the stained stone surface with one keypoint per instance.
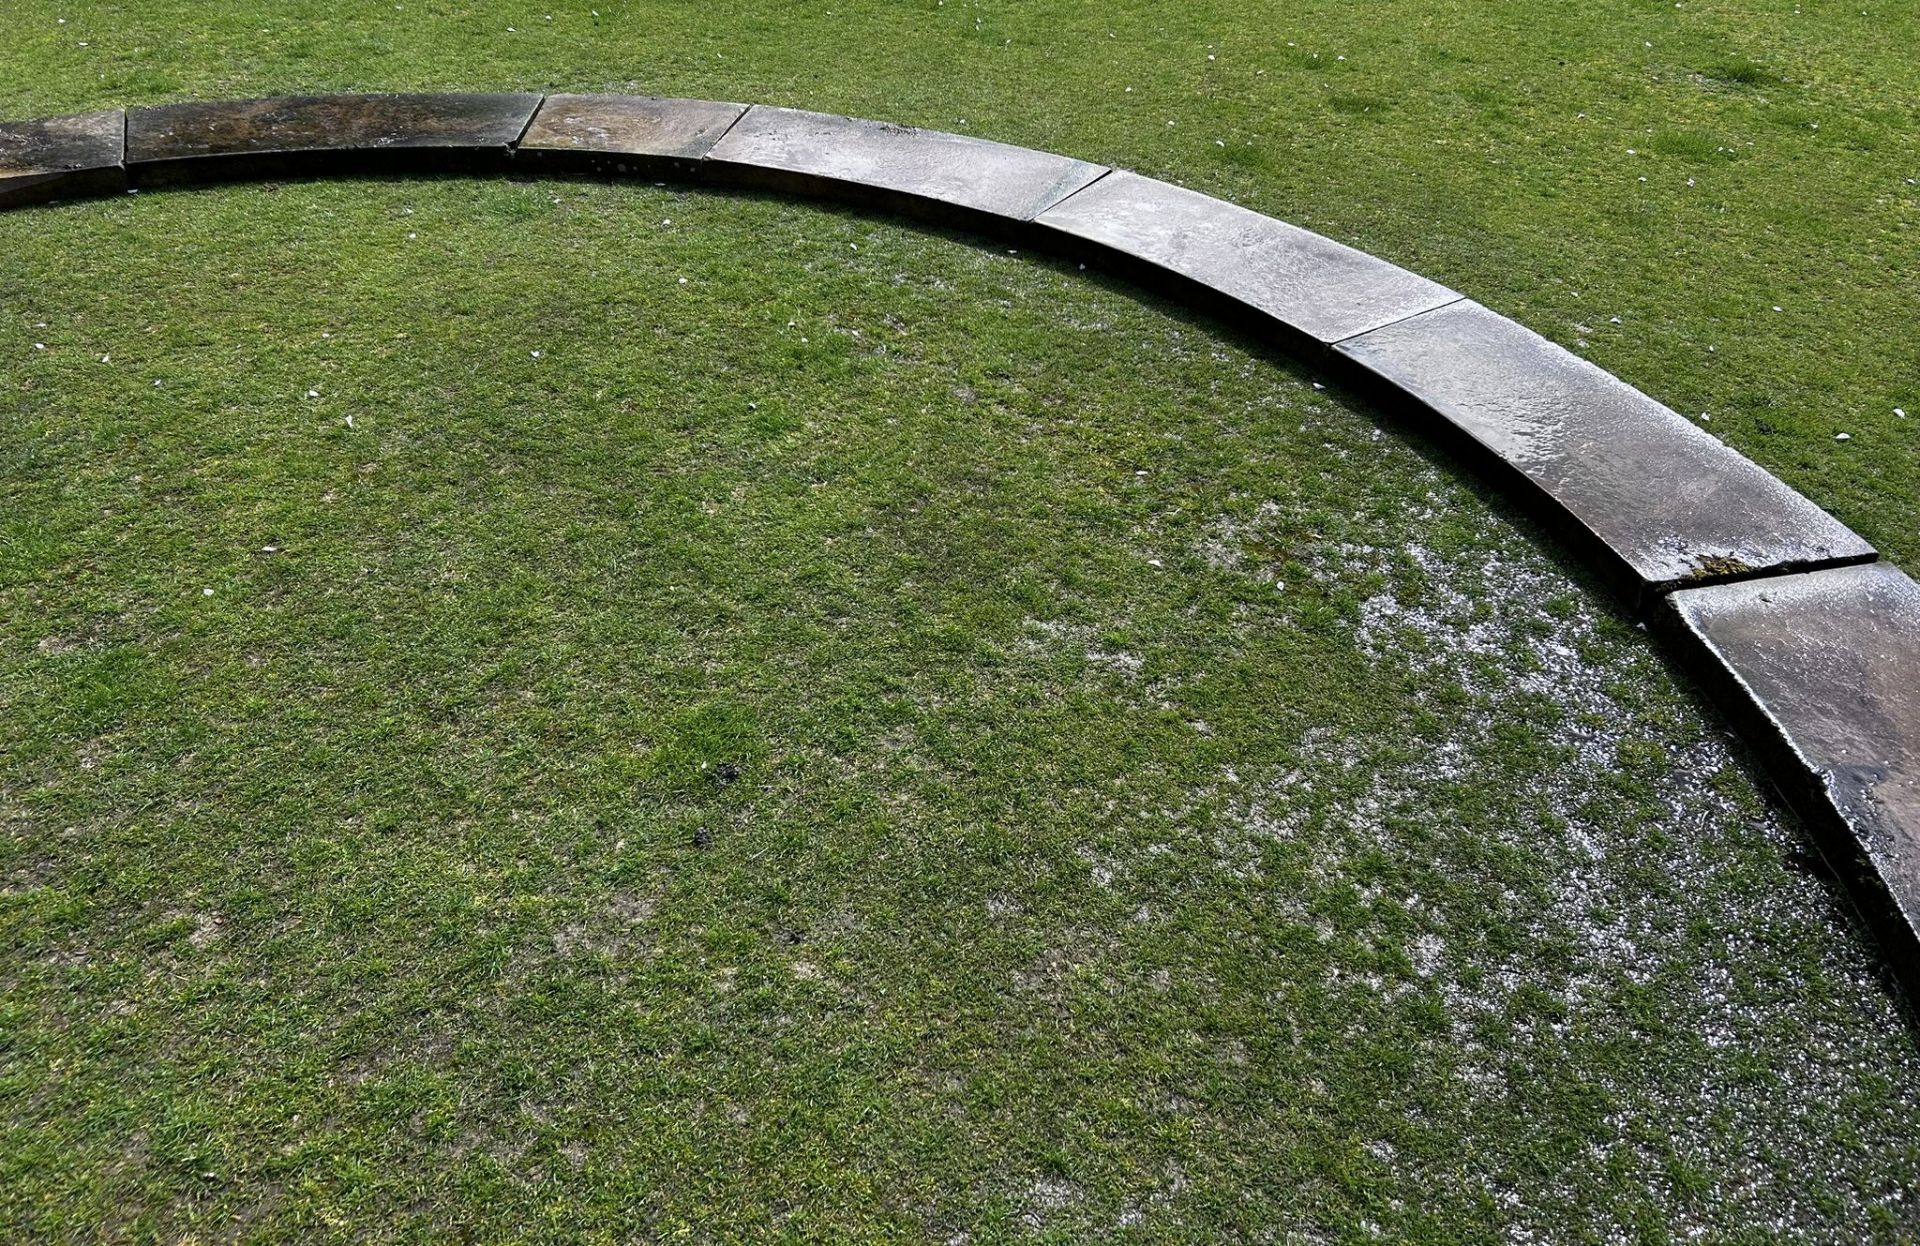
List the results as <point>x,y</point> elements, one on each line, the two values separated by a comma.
<point>384,131</point>
<point>1828,663</point>
<point>1672,504</point>
<point>782,148</point>
<point>1312,285</point>
<point>582,128</point>
<point>53,157</point>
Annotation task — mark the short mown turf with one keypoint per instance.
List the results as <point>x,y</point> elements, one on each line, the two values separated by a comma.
<point>1719,200</point>
<point>552,712</point>
<point>557,712</point>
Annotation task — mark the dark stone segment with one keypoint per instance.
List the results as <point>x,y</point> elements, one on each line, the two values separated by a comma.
<point>1662,503</point>
<point>1823,669</point>
<point>62,157</point>
<point>921,172</point>
<point>624,133</point>
<point>325,134</point>
<point>1311,285</point>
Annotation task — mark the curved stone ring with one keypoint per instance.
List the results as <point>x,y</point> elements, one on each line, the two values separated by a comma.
<point>1809,642</point>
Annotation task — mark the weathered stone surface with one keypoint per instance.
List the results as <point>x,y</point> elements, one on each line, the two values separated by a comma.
<point>1668,502</point>
<point>621,133</point>
<point>57,157</point>
<point>1310,284</point>
<point>325,133</point>
<point>1825,670</point>
<point>898,167</point>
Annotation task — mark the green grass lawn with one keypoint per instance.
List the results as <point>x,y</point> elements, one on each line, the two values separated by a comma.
<point>560,712</point>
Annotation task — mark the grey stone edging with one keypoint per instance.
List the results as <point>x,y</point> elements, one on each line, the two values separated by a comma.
<point>227,140</point>
<point>1811,646</point>
<point>1662,503</point>
<point>1821,672</point>
<point>51,158</point>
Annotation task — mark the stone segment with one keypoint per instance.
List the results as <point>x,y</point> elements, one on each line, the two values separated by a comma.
<point>62,157</point>
<point>922,171</point>
<point>623,133</point>
<point>1311,285</point>
<point>1668,503</point>
<point>324,133</point>
<point>1826,666</point>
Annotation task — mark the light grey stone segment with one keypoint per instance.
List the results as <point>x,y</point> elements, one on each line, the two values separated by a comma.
<point>1824,669</point>
<point>629,125</point>
<point>1312,285</point>
<point>783,148</point>
<point>59,157</point>
<point>1670,502</point>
